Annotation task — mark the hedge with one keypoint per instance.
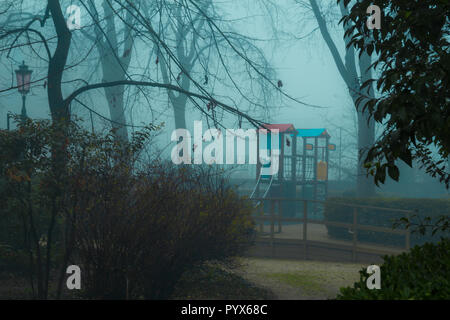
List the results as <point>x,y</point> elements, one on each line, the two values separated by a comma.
<point>420,274</point>
<point>380,218</point>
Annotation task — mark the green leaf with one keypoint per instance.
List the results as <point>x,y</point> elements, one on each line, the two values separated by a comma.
<point>393,172</point>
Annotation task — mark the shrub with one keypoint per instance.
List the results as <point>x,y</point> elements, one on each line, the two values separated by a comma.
<point>141,232</point>
<point>433,208</point>
<point>32,198</point>
<point>78,198</point>
<point>422,273</point>
<point>13,260</point>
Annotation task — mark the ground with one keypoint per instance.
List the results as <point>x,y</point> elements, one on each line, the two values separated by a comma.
<point>297,280</point>
<point>253,279</point>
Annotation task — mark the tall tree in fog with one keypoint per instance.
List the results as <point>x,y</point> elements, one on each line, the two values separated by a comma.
<point>207,50</point>
<point>184,30</point>
<point>45,35</point>
<point>354,70</point>
<point>114,55</point>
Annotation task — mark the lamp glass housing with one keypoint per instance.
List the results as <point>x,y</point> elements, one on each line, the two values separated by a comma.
<point>23,75</point>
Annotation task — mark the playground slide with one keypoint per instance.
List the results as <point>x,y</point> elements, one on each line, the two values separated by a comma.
<point>259,184</point>
<point>266,176</point>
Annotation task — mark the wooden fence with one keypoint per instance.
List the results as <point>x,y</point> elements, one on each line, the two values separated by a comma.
<point>276,219</point>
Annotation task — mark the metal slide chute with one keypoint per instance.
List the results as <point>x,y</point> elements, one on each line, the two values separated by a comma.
<point>259,185</point>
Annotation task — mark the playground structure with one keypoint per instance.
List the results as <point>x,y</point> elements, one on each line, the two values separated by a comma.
<point>302,172</point>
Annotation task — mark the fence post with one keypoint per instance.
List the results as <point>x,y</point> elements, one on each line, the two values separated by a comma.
<point>355,222</point>
<point>280,214</point>
<point>305,217</point>
<point>261,214</point>
<point>272,224</point>
<point>408,235</point>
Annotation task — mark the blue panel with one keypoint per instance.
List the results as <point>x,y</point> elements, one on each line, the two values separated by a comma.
<point>310,132</point>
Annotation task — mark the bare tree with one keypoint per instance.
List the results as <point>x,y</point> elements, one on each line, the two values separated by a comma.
<point>115,57</point>
<point>354,70</point>
<point>198,44</point>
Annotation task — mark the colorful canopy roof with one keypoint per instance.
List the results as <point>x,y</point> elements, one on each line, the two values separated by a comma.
<point>289,128</point>
<point>282,127</point>
<point>308,133</point>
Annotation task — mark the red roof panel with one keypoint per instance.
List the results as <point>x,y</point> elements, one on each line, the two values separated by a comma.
<point>282,127</point>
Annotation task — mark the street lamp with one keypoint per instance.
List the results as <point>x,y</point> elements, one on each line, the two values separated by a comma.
<point>23,75</point>
<point>8,116</point>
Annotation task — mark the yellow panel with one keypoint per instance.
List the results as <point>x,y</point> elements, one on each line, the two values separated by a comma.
<point>322,171</point>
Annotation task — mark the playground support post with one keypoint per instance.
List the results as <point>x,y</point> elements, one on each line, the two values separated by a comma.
<point>281,172</point>
<point>281,161</point>
<point>272,224</point>
<point>280,215</point>
<point>327,160</point>
<point>294,170</point>
<point>305,222</point>
<point>316,157</point>
<point>304,163</point>
<point>355,239</point>
<point>340,152</point>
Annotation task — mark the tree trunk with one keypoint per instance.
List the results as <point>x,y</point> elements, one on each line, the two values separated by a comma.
<point>347,68</point>
<point>58,108</point>
<point>179,111</point>
<point>115,96</point>
<point>186,60</point>
<point>365,186</point>
<point>114,65</point>
<point>60,113</point>
<point>114,69</point>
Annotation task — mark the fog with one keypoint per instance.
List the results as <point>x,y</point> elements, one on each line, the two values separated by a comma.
<point>201,150</point>
<point>282,39</point>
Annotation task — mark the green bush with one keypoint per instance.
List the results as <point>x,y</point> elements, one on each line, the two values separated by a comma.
<point>13,260</point>
<point>31,202</point>
<point>422,273</point>
<point>149,228</point>
<point>375,217</point>
<point>133,226</point>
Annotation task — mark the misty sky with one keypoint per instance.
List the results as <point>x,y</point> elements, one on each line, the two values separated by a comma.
<point>305,67</point>
<point>288,36</point>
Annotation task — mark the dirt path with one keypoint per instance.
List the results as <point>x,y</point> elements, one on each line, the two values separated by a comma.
<point>299,280</point>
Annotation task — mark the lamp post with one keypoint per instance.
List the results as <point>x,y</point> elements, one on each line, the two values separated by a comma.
<point>8,116</point>
<point>23,75</point>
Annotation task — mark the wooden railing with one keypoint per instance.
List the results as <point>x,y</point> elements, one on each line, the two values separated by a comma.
<point>354,227</point>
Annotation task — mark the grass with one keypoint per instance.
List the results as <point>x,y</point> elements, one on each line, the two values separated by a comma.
<point>308,282</point>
